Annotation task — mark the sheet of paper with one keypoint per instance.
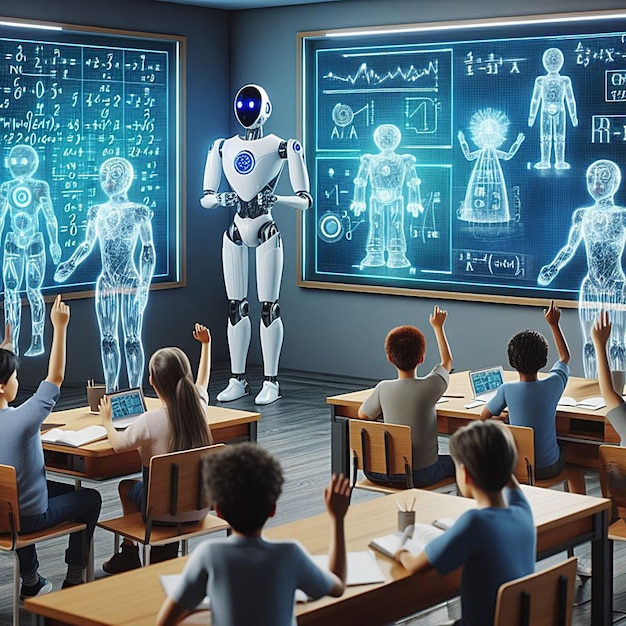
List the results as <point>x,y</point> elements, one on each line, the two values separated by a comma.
<point>363,569</point>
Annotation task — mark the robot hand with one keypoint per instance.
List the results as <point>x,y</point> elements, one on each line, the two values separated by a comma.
<point>64,271</point>
<point>266,199</point>
<point>55,253</point>
<point>357,208</point>
<point>547,274</point>
<point>228,198</point>
<point>415,208</point>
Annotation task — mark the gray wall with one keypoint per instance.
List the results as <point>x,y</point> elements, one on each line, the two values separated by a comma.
<point>340,332</point>
<point>171,313</point>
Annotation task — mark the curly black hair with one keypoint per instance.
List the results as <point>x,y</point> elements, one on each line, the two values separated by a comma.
<point>488,452</point>
<point>528,351</point>
<point>244,482</point>
<point>405,347</point>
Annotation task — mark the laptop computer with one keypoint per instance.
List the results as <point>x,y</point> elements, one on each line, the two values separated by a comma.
<point>126,406</point>
<point>485,383</point>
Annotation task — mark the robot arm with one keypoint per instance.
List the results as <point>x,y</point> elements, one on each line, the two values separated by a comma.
<point>51,223</point>
<point>513,149</point>
<point>358,205</point>
<point>470,156</point>
<point>535,100</point>
<point>212,176</point>
<point>299,178</point>
<point>571,102</point>
<point>147,259</point>
<point>65,269</point>
<point>414,206</point>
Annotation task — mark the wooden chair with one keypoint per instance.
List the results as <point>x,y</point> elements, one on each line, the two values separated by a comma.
<point>613,485</point>
<point>11,539</point>
<point>545,598</point>
<point>572,479</point>
<point>174,488</point>
<point>386,449</point>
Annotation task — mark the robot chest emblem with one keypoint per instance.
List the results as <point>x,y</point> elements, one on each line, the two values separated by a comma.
<point>244,162</point>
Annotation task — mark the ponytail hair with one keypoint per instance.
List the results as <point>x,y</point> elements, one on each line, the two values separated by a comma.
<point>171,377</point>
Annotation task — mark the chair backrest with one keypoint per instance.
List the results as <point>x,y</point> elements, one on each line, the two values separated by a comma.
<point>613,476</point>
<point>545,598</point>
<point>525,442</point>
<point>9,503</point>
<point>382,448</point>
<point>175,484</point>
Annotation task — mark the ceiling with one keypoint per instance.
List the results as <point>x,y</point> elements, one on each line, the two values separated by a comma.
<point>245,4</point>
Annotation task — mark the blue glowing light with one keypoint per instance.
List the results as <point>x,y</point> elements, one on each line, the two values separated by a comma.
<point>251,104</point>
<point>239,104</point>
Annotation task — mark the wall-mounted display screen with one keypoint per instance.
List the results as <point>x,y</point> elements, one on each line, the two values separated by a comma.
<point>70,100</point>
<point>453,159</point>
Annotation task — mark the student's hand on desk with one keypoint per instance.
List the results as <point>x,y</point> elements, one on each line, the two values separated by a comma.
<point>337,496</point>
<point>201,333</point>
<point>438,317</point>
<point>552,314</point>
<point>105,410</point>
<point>601,329</point>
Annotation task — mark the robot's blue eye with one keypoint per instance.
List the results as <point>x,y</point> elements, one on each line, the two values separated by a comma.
<point>251,104</point>
<point>239,104</point>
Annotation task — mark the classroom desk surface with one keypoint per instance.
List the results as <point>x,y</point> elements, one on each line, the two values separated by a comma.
<point>97,460</point>
<point>562,519</point>
<point>581,430</point>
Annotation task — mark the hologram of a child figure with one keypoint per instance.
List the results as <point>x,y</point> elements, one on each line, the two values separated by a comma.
<point>386,172</point>
<point>24,249</point>
<point>552,92</point>
<point>121,289</point>
<point>486,197</point>
<point>603,229</point>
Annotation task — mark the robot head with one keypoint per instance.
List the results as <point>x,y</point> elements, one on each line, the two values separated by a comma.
<point>489,127</point>
<point>116,176</point>
<point>387,137</point>
<point>22,161</point>
<point>603,179</point>
<point>252,106</point>
<point>552,60</point>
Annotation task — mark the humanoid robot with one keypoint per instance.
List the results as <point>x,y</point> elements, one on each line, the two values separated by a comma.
<point>24,248</point>
<point>486,199</point>
<point>552,92</point>
<point>603,229</point>
<point>252,165</point>
<point>121,289</point>
<point>386,172</point>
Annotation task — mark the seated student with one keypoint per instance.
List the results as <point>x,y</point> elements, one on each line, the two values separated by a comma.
<point>532,401</point>
<point>250,580</point>
<point>43,503</point>
<point>410,400</point>
<point>616,413</point>
<point>180,424</point>
<point>496,541</point>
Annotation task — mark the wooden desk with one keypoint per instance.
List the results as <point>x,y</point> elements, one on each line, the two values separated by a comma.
<point>562,519</point>
<point>97,461</point>
<point>581,430</point>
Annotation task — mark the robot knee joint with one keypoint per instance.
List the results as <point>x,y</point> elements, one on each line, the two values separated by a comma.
<point>109,344</point>
<point>237,310</point>
<point>270,312</point>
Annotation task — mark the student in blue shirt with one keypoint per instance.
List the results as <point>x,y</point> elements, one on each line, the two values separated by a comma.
<point>496,541</point>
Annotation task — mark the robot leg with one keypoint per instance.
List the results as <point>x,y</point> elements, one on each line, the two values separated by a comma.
<point>12,273</point>
<point>235,267</point>
<point>269,274</point>
<point>35,270</point>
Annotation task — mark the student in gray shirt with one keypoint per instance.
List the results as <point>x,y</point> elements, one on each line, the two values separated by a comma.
<point>410,400</point>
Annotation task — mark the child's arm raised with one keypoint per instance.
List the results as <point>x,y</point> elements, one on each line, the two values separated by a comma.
<point>7,342</point>
<point>553,317</point>
<point>437,319</point>
<point>601,333</point>
<point>337,498</point>
<point>201,333</point>
<point>60,316</point>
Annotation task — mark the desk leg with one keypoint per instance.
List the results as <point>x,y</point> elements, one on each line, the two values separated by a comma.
<point>340,457</point>
<point>602,573</point>
<point>253,431</point>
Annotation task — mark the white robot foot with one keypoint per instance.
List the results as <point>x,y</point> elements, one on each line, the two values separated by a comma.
<point>236,389</point>
<point>270,392</point>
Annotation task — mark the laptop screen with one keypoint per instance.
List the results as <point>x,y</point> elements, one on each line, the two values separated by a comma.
<point>127,403</point>
<point>484,381</point>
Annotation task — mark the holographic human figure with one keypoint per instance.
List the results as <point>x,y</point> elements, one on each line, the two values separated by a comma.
<point>386,173</point>
<point>603,229</point>
<point>24,249</point>
<point>486,200</point>
<point>552,92</point>
<point>121,288</point>
<point>252,166</point>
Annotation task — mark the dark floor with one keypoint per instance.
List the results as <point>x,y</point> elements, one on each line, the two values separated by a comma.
<point>296,429</point>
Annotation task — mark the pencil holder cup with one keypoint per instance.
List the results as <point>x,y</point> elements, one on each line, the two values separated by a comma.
<point>94,395</point>
<point>619,378</point>
<point>405,518</point>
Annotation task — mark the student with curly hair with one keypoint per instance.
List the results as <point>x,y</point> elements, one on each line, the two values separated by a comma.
<point>251,580</point>
<point>410,400</point>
